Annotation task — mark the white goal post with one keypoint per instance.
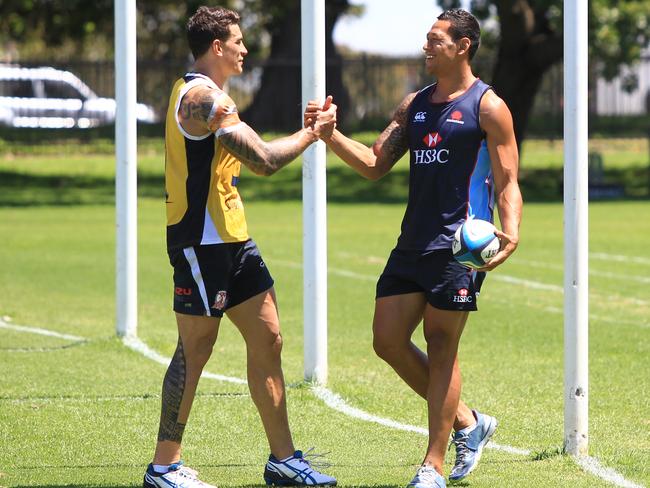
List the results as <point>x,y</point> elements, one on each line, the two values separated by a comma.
<point>314,199</point>
<point>126,191</point>
<point>314,194</point>
<point>576,231</point>
<point>576,307</point>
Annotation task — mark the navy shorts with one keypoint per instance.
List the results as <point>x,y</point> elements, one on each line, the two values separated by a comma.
<point>208,280</point>
<point>447,284</point>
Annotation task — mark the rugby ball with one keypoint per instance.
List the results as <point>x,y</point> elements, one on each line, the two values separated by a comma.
<point>475,243</point>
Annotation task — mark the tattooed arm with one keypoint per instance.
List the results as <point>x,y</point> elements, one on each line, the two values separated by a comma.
<point>265,158</point>
<point>375,162</point>
<point>206,109</point>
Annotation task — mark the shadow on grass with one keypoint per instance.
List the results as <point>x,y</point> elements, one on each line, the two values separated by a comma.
<point>18,189</point>
<point>260,485</point>
<point>25,190</point>
<point>81,485</point>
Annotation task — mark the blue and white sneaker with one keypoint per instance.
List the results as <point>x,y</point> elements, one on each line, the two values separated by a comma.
<point>469,444</point>
<point>294,471</point>
<point>428,477</point>
<point>178,476</point>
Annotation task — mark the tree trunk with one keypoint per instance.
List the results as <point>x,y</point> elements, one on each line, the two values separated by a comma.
<point>527,49</point>
<point>277,105</point>
<point>517,85</point>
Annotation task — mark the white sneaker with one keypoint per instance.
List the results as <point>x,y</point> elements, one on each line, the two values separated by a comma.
<point>178,476</point>
<point>428,477</point>
<point>294,471</point>
<point>469,445</point>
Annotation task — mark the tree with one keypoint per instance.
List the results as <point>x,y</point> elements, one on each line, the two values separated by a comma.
<point>529,41</point>
<point>277,104</point>
<point>35,27</point>
<point>77,29</point>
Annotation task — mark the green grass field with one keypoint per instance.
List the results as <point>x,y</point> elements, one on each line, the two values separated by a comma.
<point>83,412</point>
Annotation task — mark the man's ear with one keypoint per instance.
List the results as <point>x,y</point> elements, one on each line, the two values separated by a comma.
<point>463,45</point>
<point>217,47</point>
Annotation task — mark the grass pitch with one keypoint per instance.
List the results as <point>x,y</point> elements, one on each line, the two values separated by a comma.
<point>84,412</point>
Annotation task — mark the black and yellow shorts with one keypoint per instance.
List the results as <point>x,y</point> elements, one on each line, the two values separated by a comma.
<point>208,280</point>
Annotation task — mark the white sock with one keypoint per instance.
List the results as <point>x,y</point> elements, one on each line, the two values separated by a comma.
<point>161,468</point>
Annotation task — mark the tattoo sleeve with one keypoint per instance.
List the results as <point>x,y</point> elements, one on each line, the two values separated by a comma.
<point>207,106</point>
<point>262,158</point>
<point>172,395</point>
<point>393,141</point>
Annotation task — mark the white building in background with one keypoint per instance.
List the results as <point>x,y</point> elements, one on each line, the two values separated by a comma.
<point>612,99</point>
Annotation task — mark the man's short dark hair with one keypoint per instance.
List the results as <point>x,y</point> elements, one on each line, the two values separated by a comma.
<point>463,24</point>
<point>208,24</point>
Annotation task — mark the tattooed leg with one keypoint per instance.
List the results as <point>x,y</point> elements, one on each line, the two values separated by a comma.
<point>172,395</point>
<point>197,335</point>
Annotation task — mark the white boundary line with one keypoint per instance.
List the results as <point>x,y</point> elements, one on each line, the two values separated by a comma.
<point>593,466</point>
<point>140,347</point>
<point>592,272</point>
<point>334,401</point>
<point>535,285</point>
<point>617,257</point>
<point>592,316</point>
<point>39,331</point>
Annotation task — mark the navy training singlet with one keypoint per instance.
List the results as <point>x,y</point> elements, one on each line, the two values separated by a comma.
<point>450,175</point>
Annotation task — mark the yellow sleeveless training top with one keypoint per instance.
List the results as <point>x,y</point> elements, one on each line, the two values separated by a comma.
<point>201,176</point>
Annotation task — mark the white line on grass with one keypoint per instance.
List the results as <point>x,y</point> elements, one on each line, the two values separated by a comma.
<point>330,398</point>
<point>140,347</point>
<point>560,311</point>
<point>592,272</point>
<point>593,465</point>
<point>116,398</point>
<point>39,331</point>
<point>536,285</point>
<point>617,257</point>
<point>334,401</point>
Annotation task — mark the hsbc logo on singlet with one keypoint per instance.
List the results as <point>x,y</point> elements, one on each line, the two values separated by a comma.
<point>433,154</point>
<point>432,139</point>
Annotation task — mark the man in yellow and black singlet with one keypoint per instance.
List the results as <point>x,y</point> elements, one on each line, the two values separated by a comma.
<point>218,269</point>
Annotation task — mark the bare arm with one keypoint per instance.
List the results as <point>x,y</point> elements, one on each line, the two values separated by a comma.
<point>205,109</point>
<point>496,121</point>
<point>265,158</point>
<point>375,162</point>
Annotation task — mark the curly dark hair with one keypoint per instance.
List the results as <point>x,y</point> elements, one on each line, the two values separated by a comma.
<point>463,24</point>
<point>208,24</point>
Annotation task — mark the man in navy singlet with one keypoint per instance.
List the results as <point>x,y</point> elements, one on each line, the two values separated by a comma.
<point>463,159</point>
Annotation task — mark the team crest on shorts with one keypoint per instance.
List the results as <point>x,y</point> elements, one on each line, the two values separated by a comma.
<point>220,300</point>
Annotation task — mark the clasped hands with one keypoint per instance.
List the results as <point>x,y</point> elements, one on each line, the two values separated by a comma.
<point>321,118</point>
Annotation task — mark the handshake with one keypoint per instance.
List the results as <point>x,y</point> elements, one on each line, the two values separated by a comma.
<point>321,119</point>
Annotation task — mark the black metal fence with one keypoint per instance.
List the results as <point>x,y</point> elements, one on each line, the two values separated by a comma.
<point>375,85</point>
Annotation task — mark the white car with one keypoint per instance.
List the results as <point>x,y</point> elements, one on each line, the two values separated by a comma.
<point>52,98</point>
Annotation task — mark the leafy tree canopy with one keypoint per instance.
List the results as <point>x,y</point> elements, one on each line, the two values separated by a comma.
<point>619,30</point>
